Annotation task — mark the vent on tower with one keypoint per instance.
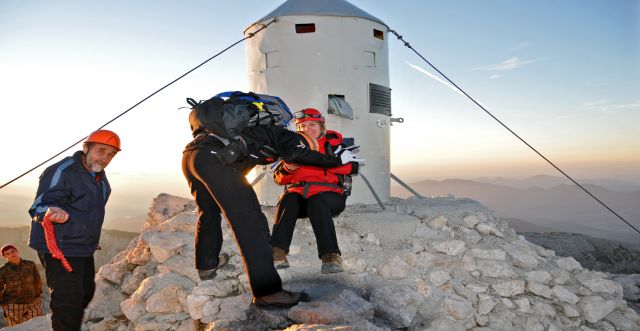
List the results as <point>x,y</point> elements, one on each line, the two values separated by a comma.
<point>339,106</point>
<point>306,28</point>
<point>379,99</point>
<point>378,34</point>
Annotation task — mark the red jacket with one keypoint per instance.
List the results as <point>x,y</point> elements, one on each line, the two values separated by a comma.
<point>308,181</point>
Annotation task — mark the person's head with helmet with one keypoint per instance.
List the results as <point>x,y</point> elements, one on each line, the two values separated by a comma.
<point>310,121</point>
<point>99,149</point>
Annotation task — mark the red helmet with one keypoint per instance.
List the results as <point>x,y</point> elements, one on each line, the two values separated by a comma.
<point>105,137</point>
<point>309,114</point>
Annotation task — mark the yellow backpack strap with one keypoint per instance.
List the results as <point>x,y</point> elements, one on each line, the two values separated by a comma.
<point>259,105</point>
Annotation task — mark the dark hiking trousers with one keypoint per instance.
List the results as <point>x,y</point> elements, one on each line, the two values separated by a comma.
<point>219,188</point>
<point>71,292</point>
<point>319,208</point>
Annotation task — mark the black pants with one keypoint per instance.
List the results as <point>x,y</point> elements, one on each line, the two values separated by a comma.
<point>319,208</point>
<point>219,188</point>
<point>71,292</point>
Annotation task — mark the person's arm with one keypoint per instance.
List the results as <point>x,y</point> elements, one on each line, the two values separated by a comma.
<point>284,173</point>
<point>350,168</point>
<point>37,281</point>
<point>292,150</point>
<point>3,285</point>
<point>290,147</point>
<point>52,196</point>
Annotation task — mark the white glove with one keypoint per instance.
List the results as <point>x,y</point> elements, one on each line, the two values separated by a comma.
<point>347,156</point>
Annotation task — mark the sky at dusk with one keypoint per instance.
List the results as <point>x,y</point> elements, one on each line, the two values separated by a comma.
<point>565,75</point>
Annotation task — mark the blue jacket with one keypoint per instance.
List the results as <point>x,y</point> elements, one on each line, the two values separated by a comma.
<point>69,186</point>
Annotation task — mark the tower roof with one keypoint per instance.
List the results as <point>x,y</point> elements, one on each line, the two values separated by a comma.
<point>340,8</point>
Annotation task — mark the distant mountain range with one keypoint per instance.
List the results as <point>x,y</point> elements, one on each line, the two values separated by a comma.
<point>546,203</point>
<point>546,181</point>
<point>593,253</point>
<point>111,242</point>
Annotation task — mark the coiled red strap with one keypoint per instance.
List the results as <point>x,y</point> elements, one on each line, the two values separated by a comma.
<point>52,245</point>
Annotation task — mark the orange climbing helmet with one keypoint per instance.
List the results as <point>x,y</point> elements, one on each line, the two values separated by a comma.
<point>105,137</point>
<point>308,114</point>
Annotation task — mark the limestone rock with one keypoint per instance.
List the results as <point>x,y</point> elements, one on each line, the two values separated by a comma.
<point>450,247</point>
<point>570,311</point>
<point>457,307</point>
<point>439,222</point>
<point>496,269</point>
<point>489,254</point>
<point>165,206</point>
<point>539,289</point>
<point>398,304</point>
<point>439,277</point>
<point>523,305</point>
<point>470,236</point>
<point>106,301</point>
<point>521,257</point>
<point>445,323</point>
<point>595,308</point>
<point>141,253</point>
<point>489,228</point>
<point>599,285</point>
<point>622,322</point>
<point>217,287</point>
<point>470,221</point>
<point>132,309</point>
<point>195,304</point>
<point>395,268</point>
<point>114,272</point>
<point>568,264</point>
<point>431,261</point>
<point>509,288</point>
<point>165,245</point>
<point>403,226</point>
<point>166,300</point>
<point>184,222</point>
<point>564,295</point>
<point>486,304</point>
<point>533,324</point>
<point>424,264</point>
<point>540,276</point>
<point>340,307</point>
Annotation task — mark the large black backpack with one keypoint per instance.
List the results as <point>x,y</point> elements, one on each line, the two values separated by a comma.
<point>227,113</point>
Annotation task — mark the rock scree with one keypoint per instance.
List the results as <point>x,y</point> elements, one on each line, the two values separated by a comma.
<point>422,264</point>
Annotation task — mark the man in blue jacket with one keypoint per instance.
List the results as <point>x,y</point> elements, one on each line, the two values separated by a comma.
<point>73,193</point>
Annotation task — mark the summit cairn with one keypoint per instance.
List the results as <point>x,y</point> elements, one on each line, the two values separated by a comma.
<point>422,264</point>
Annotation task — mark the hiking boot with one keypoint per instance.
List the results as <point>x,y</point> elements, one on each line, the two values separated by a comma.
<point>282,299</point>
<point>331,263</point>
<point>280,258</point>
<point>208,274</point>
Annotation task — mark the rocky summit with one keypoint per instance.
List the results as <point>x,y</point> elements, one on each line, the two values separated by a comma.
<point>421,264</point>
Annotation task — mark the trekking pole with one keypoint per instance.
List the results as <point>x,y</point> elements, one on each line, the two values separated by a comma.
<point>52,245</point>
<point>366,181</point>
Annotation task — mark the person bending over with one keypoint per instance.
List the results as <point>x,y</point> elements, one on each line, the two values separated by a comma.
<point>216,177</point>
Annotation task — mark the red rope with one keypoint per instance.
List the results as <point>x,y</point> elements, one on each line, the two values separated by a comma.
<point>52,245</point>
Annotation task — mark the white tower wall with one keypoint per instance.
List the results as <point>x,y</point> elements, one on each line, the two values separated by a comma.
<point>342,57</point>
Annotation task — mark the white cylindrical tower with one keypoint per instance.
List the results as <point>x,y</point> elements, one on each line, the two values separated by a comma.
<point>332,56</point>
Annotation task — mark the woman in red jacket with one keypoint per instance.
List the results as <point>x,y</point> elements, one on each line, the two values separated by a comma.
<point>313,192</point>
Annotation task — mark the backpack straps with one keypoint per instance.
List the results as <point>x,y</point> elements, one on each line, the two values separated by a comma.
<point>307,186</point>
<point>192,102</point>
